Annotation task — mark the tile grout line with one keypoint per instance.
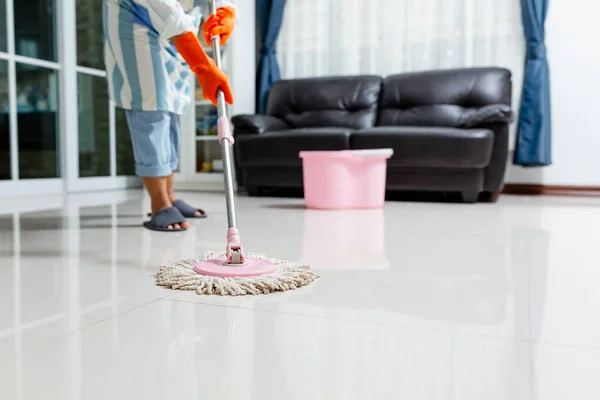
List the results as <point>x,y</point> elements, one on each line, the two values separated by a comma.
<point>69,333</point>
<point>151,301</point>
<point>381,324</point>
<point>408,327</point>
<point>531,343</point>
<point>569,345</point>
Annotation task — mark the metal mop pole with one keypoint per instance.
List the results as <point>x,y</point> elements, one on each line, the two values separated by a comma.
<point>235,254</point>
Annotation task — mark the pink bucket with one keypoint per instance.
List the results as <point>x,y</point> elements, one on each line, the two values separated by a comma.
<point>348,179</point>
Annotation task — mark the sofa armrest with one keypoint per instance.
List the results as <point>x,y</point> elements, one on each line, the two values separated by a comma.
<point>493,113</point>
<point>258,123</point>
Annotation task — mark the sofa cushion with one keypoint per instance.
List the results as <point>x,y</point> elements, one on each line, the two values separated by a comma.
<point>429,147</point>
<point>442,98</point>
<point>349,102</point>
<point>282,148</point>
<point>257,124</point>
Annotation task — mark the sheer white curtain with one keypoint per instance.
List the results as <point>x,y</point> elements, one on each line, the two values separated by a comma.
<point>384,37</point>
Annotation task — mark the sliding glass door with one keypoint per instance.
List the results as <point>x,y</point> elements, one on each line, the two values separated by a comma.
<point>30,159</point>
<point>58,130</point>
<point>104,155</point>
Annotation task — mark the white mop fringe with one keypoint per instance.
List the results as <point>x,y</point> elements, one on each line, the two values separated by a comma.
<point>288,275</point>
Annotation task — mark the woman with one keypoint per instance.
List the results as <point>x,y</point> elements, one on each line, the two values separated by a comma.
<point>151,49</point>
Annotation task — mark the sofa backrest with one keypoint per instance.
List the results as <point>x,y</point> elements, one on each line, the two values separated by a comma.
<point>344,102</point>
<point>441,98</point>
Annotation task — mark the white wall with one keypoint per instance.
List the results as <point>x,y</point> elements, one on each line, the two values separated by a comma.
<point>572,30</point>
<point>242,64</point>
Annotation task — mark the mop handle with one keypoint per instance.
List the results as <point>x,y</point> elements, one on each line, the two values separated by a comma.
<point>216,45</point>
<point>224,132</point>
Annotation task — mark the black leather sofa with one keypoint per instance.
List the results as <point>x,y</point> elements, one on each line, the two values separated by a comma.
<point>449,129</point>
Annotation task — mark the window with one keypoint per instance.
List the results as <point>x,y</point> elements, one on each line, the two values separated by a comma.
<point>5,156</point>
<point>94,106</point>
<point>94,126</point>
<point>90,39</point>
<point>3,42</point>
<point>35,29</point>
<point>30,151</point>
<point>384,37</point>
<point>38,117</point>
<point>125,161</point>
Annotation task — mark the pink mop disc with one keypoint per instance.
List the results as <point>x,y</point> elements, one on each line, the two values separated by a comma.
<point>218,267</point>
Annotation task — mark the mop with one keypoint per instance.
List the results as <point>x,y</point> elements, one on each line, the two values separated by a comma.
<point>232,273</point>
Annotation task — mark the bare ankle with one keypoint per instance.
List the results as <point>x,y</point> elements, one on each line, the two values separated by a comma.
<point>160,202</point>
<point>160,205</point>
<point>158,191</point>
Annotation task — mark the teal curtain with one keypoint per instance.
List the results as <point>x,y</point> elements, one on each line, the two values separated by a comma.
<point>534,137</point>
<point>270,18</point>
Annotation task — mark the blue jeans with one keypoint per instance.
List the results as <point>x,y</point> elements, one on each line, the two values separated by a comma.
<point>155,140</point>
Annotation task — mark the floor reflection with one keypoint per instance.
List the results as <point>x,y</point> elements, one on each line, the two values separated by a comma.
<point>415,301</point>
<point>345,240</point>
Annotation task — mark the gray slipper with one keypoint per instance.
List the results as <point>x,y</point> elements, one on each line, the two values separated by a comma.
<point>187,210</point>
<point>164,218</point>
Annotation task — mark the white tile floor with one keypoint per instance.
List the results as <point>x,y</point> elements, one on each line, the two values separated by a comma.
<point>418,301</point>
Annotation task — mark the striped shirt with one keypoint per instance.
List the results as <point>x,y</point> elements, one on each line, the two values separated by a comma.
<point>144,70</point>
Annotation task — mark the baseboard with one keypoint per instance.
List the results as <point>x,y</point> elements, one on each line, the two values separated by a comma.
<point>550,190</point>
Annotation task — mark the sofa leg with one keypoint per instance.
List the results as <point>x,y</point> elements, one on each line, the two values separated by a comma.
<point>489,197</point>
<point>494,196</point>
<point>470,197</point>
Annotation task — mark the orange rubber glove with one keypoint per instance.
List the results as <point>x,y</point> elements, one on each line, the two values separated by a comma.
<point>219,24</point>
<point>210,77</point>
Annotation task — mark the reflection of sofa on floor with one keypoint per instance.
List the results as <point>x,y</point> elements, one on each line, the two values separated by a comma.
<point>448,129</point>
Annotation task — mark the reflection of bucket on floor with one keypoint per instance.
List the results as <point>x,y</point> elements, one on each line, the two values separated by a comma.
<point>348,239</point>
